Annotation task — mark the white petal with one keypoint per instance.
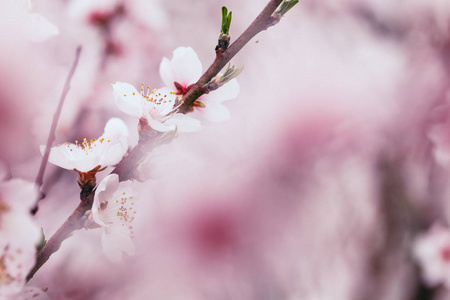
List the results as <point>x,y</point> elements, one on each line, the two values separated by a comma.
<point>228,91</point>
<point>116,132</point>
<point>215,112</point>
<point>159,126</point>
<point>184,123</point>
<point>115,128</point>
<point>166,72</point>
<point>103,194</point>
<point>105,151</point>
<point>59,156</point>
<point>185,67</point>
<point>115,243</point>
<point>128,99</point>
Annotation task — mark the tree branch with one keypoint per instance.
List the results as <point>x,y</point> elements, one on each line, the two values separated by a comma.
<point>74,222</point>
<point>263,21</point>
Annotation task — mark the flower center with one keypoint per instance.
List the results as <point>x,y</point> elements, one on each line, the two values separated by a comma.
<point>124,211</point>
<point>162,106</point>
<point>86,146</point>
<point>182,90</point>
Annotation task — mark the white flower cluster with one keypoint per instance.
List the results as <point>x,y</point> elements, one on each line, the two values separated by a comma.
<point>114,203</point>
<point>159,107</point>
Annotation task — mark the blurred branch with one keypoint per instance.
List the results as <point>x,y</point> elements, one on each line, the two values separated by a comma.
<point>51,134</point>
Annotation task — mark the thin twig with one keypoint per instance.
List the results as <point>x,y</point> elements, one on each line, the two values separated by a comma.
<point>51,134</point>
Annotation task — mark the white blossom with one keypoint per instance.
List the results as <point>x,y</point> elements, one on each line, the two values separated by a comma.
<point>84,156</point>
<point>185,69</point>
<point>158,107</point>
<point>114,210</point>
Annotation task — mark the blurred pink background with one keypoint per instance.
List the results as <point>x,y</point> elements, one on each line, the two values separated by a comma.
<point>317,186</point>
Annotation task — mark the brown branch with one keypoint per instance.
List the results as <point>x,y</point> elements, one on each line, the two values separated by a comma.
<point>51,134</point>
<point>126,169</point>
<point>263,21</point>
<point>74,222</point>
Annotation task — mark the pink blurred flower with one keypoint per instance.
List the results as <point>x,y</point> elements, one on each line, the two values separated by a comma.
<point>183,70</point>
<point>35,26</point>
<point>100,12</point>
<point>113,210</point>
<point>107,150</point>
<point>19,235</point>
<point>432,251</point>
<point>157,107</point>
<point>439,136</point>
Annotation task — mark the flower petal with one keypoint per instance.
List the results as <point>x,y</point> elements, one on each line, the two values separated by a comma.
<point>184,123</point>
<point>159,126</point>
<point>215,112</point>
<point>166,72</point>
<point>107,150</point>
<point>228,91</point>
<point>104,192</point>
<point>128,99</point>
<point>59,155</point>
<point>115,243</point>
<point>184,68</point>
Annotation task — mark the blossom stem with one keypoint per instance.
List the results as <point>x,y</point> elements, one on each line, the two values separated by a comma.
<point>51,134</point>
<point>74,222</point>
<point>263,21</point>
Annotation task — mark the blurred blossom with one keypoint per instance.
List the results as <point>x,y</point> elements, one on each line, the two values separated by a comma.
<point>440,137</point>
<point>114,210</point>
<point>432,252</point>
<point>105,151</point>
<point>19,235</point>
<point>34,26</point>
<point>158,107</point>
<point>183,70</point>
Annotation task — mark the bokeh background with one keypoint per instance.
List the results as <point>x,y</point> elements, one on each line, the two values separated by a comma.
<point>335,159</point>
